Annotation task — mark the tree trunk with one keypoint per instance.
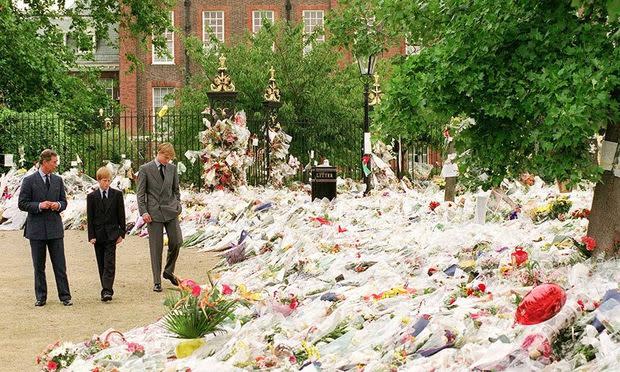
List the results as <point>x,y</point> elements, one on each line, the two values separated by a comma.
<point>604,225</point>
<point>450,189</point>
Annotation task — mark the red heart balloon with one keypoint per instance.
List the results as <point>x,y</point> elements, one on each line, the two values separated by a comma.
<point>540,304</point>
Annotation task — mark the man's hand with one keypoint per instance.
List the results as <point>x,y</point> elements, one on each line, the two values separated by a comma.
<point>119,240</point>
<point>147,218</point>
<point>55,206</point>
<point>92,241</point>
<point>44,205</point>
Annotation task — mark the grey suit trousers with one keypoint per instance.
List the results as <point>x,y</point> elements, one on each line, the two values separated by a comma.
<point>156,245</point>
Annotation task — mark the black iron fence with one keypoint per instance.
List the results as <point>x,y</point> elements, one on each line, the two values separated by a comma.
<point>113,137</point>
<point>110,137</point>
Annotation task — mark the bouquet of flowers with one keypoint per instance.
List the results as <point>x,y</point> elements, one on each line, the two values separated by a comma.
<point>225,153</point>
<point>195,312</point>
<point>56,356</point>
<point>557,207</point>
<point>280,169</point>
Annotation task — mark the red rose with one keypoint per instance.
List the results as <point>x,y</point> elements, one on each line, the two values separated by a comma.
<point>589,242</point>
<point>482,287</point>
<point>226,289</point>
<point>52,366</point>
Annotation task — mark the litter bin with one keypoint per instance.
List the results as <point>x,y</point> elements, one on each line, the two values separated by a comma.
<point>323,182</point>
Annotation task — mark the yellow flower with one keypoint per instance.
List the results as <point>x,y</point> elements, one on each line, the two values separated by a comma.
<point>311,350</point>
<point>248,295</point>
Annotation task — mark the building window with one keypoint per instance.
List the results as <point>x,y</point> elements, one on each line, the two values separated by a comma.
<point>162,58</point>
<point>259,16</point>
<point>313,22</point>
<point>110,86</point>
<point>212,26</point>
<point>162,96</point>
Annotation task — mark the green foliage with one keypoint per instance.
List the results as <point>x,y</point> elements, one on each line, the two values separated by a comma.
<point>35,63</point>
<point>537,77</point>
<point>192,316</point>
<point>322,100</point>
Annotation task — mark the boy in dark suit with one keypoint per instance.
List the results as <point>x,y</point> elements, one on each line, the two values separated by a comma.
<point>105,209</point>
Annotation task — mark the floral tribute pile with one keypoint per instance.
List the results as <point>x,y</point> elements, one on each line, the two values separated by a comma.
<point>280,168</point>
<point>393,281</point>
<point>225,153</point>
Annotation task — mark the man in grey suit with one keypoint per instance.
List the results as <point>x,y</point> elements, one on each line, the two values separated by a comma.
<point>42,195</point>
<point>159,203</point>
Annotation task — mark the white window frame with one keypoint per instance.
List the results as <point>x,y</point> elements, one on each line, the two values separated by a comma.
<point>206,34</point>
<point>165,60</point>
<point>312,16</point>
<point>171,103</point>
<point>258,16</point>
<point>110,85</point>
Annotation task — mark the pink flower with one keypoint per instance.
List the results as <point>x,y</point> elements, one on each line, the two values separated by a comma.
<point>135,348</point>
<point>226,289</point>
<point>196,290</point>
<point>589,242</point>
<point>188,283</point>
<point>52,366</point>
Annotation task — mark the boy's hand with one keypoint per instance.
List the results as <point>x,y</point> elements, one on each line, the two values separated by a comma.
<point>119,240</point>
<point>147,218</point>
<point>92,241</point>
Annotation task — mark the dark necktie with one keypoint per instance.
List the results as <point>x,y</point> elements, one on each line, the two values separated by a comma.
<point>47,181</point>
<point>105,195</point>
<point>161,170</point>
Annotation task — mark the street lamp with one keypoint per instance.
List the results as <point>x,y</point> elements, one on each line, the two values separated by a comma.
<point>366,64</point>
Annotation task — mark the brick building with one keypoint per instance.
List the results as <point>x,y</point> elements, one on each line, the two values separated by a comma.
<point>228,19</point>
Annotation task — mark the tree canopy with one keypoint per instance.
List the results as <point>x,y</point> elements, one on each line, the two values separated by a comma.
<point>35,62</point>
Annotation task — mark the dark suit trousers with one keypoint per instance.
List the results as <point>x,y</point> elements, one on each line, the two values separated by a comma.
<point>156,245</point>
<point>106,262</point>
<point>38,248</point>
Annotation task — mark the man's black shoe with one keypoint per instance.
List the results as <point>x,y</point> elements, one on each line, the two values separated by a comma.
<point>106,297</point>
<point>157,288</point>
<point>67,303</point>
<point>39,303</point>
<point>172,278</point>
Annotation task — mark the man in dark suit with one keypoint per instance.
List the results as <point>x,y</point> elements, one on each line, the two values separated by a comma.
<point>42,195</point>
<point>159,203</point>
<point>105,210</point>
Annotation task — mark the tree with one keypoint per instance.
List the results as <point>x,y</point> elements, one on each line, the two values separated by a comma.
<point>321,108</point>
<point>35,62</point>
<point>540,79</point>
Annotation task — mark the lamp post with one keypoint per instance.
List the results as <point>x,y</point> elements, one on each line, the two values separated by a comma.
<point>366,65</point>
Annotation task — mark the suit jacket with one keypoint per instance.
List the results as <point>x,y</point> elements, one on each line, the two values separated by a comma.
<point>42,224</point>
<point>160,199</point>
<point>106,220</point>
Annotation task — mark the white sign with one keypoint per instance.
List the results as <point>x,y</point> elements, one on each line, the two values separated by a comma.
<point>254,141</point>
<point>449,170</point>
<point>608,154</point>
<point>367,146</point>
<point>8,160</point>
